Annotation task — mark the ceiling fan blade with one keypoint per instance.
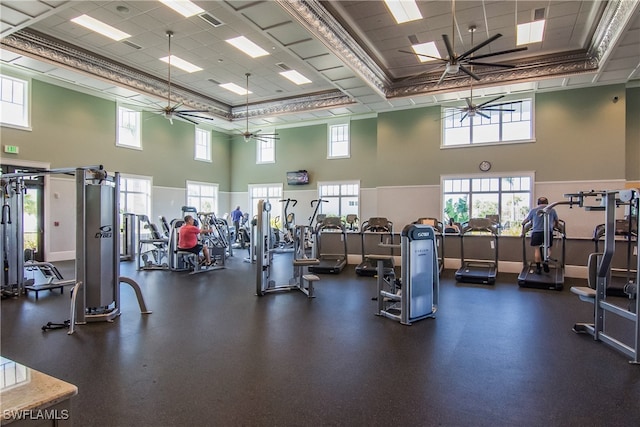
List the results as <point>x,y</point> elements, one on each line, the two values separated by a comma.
<point>444,73</point>
<point>469,104</point>
<point>447,43</point>
<point>194,111</point>
<point>464,116</point>
<point>497,109</point>
<point>415,76</point>
<point>502,52</point>
<point>447,116</point>
<point>422,54</point>
<point>486,64</point>
<point>184,118</point>
<point>469,72</point>
<point>502,103</point>
<point>483,115</point>
<point>479,46</point>
<point>195,116</point>
<point>489,102</point>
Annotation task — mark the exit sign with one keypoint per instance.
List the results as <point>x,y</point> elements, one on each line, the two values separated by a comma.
<point>12,149</point>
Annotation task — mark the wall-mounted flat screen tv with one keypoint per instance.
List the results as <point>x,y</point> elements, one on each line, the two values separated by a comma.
<point>298,177</point>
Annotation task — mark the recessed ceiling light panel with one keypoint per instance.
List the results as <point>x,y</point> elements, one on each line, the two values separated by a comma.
<point>100,27</point>
<point>181,63</point>
<point>247,46</point>
<point>235,88</point>
<point>531,32</point>
<point>429,49</point>
<point>403,10</point>
<point>183,7</point>
<point>295,77</point>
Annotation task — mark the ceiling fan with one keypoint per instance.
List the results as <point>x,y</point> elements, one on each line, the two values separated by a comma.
<point>170,112</point>
<point>455,63</point>
<point>471,109</point>
<point>256,136</point>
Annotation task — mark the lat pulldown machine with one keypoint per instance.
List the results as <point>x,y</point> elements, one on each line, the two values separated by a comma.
<point>96,294</point>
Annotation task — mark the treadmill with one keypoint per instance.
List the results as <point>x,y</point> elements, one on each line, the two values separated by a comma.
<point>438,228</point>
<point>330,263</point>
<point>554,279</point>
<point>620,279</point>
<point>481,271</point>
<point>382,227</point>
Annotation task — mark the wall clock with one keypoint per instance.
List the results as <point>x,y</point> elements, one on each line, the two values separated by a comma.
<point>484,166</point>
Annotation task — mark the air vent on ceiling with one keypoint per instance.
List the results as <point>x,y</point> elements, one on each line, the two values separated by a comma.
<point>538,14</point>
<point>213,81</point>
<point>413,39</point>
<point>211,19</point>
<point>130,44</point>
<point>284,66</point>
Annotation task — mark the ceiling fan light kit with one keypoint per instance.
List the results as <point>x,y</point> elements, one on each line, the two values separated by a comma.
<point>455,63</point>
<point>170,112</point>
<point>256,136</point>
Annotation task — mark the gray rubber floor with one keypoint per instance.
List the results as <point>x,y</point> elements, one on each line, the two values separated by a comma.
<point>213,353</point>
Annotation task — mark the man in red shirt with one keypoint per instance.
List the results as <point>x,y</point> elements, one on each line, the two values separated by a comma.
<point>188,239</point>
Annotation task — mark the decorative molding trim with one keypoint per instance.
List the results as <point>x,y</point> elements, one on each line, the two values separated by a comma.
<point>615,17</point>
<point>43,48</point>
<point>332,99</point>
<point>317,20</point>
<point>543,67</point>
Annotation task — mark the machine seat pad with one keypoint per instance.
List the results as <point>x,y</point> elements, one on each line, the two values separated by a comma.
<point>583,291</point>
<point>310,277</point>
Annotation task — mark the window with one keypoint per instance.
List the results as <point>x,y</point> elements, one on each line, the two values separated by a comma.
<point>270,192</point>
<point>203,145</point>
<point>14,96</point>
<point>128,128</point>
<point>343,198</point>
<point>460,128</point>
<point>507,198</point>
<point>338,141</point>
<point>266,150</point>
<point>135,195</point>
<point>202,196</point>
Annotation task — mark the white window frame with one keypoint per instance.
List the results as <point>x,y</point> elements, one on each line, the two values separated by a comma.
<point>339,190</point>
<point>202,145</point>
<point>124,192</point>
<point>271,192</point>
<point>333,143</point>
<point>191,197</point>
<point>452,115</point>
<point>136,131</point>
<point>265,150</point>
<point>10,100</point>
<point>502,194</point>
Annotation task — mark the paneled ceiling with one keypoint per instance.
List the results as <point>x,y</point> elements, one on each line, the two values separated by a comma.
<point>350,50</point>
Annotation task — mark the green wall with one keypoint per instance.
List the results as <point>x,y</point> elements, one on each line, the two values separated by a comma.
<point>306,148</point>
<point>72,129</point>
<point>633,134</point>
<point>581,134</point>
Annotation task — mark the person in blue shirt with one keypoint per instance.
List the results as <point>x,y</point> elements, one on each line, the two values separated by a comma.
<point>537,232</point>
<point>236,216</point>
